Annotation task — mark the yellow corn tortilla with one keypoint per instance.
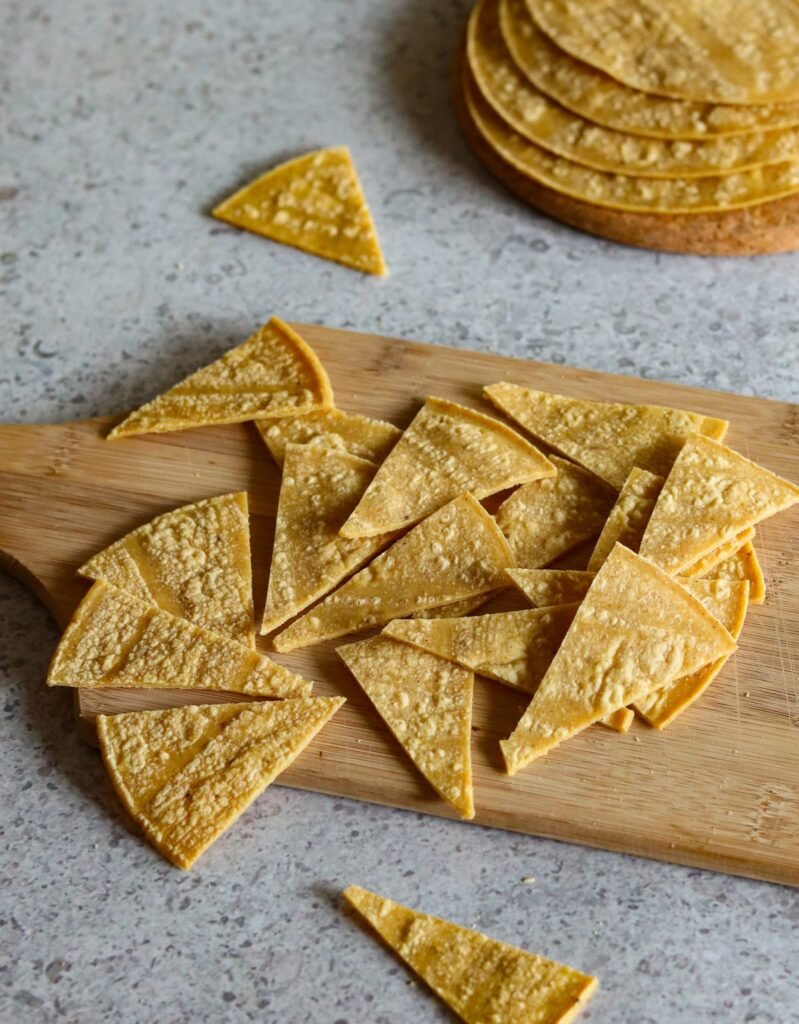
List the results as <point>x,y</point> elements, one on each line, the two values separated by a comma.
<point>546,587</point>
<point>629,516</point>
<point>743,565</point>
<point>718,554</point>
<point>186,774</point>
<point>426,702</point>
<point>482,980</point>
<point>359,435</point>
<point>273,373</point>
<point>314,203</point>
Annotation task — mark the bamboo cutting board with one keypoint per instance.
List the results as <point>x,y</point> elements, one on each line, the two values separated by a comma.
<point>718,789</point>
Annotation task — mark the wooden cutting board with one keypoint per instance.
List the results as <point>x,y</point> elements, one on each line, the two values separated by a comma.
<point>718,789</point>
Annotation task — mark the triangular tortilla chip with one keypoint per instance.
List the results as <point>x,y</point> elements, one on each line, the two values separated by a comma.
<point>457,552</point>
<point>546,587</point>
<point>314,203</point>
<point>607,438</point>
<point>186,774</point>
<point>726,600</point>
<point>320,487</point>
<point>273,373</point>
<point>629,516</point>
<point>114,639</point>
<point>545,519</point>
<point>718,554</point>
<point>622,645</point>
<point>426,701</point>
<point>446,451</point>
<point>743,565</point>
<point>332,428</point>
<point>514,648</point>
<point>482,980</point>
<point>710,496</point>
<point>193,562</point>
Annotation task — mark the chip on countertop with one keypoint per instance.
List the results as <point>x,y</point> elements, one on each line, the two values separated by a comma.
<point>546,587</point>
<point>114,639</point>
<point>426,702</point>
<point>367,438</point>
<point>710,496</point>
<point>193,562</point>
<point>629,516</point>
<point>185,774</point>
<point>314,202</point>
<point>622,645</point>
<point>481,979</point>
<point>447,450</point>
<point>606,438</point>
<point>743,565</point>
<point>456,553</point>
<point>273,373</point>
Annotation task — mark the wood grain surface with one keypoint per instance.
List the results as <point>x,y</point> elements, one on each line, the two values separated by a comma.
<point>718,789</point>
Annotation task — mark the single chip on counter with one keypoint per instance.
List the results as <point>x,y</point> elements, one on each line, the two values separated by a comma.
<point>426,702</point>
<point>481,979</point>
<point>546,587</point>
<point>114,639</point>
<point>743,565</point>
<point>273,373</point>
<point>629,516</point>
<point>186,774</point>
<point>359,435</point>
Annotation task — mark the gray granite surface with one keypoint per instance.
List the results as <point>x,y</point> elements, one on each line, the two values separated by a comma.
<point>122,123</point>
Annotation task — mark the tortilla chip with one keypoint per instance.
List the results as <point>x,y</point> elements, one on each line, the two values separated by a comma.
<point>426,702</point>
<point>546,587</point>
<point>186,774</point>
<point>514,648</point>
<point>447,450</point>
<point>710,496</point>
<point>314,203</point>
<point>193,562</point>
<point>545,519</point>
<point>457,552</point>
<point>455,609</point>
<point>629,516</point>
<point>331,428</point>
<point>622,645</point>
<point>607,438</point>
<point>482,980</point>
<point>114,639</point>
<point>718,554</point>
<point>320,488</point>
<point>273,373</point>
<point>743,565</point>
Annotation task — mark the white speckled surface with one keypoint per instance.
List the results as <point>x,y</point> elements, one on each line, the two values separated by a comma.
<point>123,122</point>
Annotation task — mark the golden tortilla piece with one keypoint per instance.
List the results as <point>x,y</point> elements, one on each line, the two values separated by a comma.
<point>114,639</point>
<point>619,721</point>
<point>601,99</point>
<point>193,562</point>
<point>629,516</point>
<point>314,203</point>
<point>607,438</point>
<point>514,648</point>
<point>545,519</point>
<point>710,496</point>
<point>622,645</point>
<point>727,601</point>
<point>447,450</point>
<point>718,554</point>
<point>319,490</point>
<point>455,609</point>
<point>743,565</point>
<point>482,980</point>
<point>534,115</point>
<point>186,774</point>
<point>331,428</point>
<point>546,587</point>
<point>273,373</point>
<point>719,52</point>
<point>457,552</point>
<point>426,702</point>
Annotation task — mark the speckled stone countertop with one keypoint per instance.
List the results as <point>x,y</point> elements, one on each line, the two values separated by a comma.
<point>123,123</point>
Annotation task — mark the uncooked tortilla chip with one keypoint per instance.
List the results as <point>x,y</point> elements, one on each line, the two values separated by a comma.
<point>114,639</point>
<point>457,552</point>
<point>186,774</point>
<point>482,980</point>
<point>193,562</point>
<point>545,519</point>
<point>314,203</point>
<point>743,565</point>
<point>273,373</point>
<point>718,554</point>
<point>710,496</point>
<point>426,702</point>
<point>622,645</point>
<point>332,428</point>
<point>546,587</point>
<point>320,488</point>
<point>447,450</point>
<point>607,438</point>
<point>628,517</point>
